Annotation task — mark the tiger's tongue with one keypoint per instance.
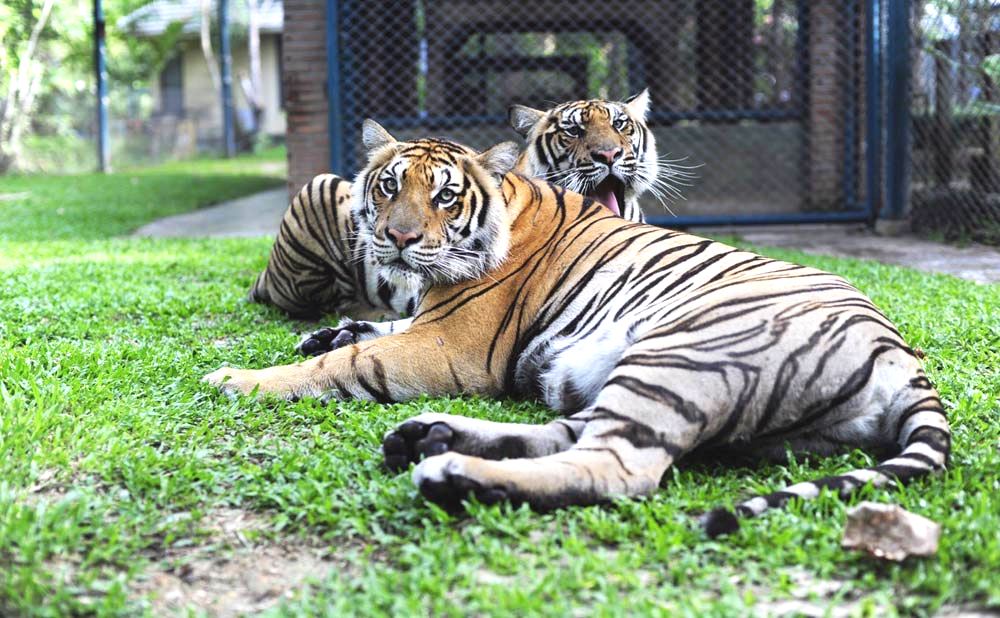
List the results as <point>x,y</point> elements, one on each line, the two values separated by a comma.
<point>605,194</point>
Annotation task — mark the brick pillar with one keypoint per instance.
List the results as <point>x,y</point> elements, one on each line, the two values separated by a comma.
<point>826,129</point>
<point>304,84</point>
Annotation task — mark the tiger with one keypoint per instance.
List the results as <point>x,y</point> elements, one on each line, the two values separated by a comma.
<point>314,268</point>
<point>653,344</point>
<point>603,149</point>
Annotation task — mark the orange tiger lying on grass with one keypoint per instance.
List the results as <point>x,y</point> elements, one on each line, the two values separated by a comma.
<point>652,342</point>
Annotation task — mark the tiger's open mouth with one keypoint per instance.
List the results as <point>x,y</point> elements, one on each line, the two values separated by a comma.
<point>610,192</point>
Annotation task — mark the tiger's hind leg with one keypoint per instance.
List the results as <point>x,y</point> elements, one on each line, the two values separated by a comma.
<point>914,420</point>
<point>431,433</point>
<point>614,457</point>
<point>632,432</point>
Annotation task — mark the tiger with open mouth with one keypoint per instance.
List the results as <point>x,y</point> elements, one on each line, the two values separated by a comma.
<point>602,149</point>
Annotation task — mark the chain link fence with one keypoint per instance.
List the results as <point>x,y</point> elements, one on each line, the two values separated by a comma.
<point>766,97</point>
<point>62,137</point>
<point>955,110</point>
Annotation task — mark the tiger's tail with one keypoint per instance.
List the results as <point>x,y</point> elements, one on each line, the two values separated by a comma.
<point>922,433</point>
<point>258,291</point>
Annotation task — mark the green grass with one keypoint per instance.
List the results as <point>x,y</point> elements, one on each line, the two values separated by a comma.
<point>94,206</point>
<point>113,455</point>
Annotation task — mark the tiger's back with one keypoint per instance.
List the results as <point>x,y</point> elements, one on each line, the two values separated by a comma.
<point>310,270</point>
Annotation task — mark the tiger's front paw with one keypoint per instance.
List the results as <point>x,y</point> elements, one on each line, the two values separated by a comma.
<point>347,332</point>
<point>233,381</point>
<point>447,480</point>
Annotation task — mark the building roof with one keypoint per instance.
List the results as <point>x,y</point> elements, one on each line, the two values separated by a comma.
<point>154,18</point>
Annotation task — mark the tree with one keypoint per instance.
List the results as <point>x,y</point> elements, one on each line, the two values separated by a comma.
<point>251,84</point>
<point>46,67</point>
<point>205,32</point>
<point>21,72</point>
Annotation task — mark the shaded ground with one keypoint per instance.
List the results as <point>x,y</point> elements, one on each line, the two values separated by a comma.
<point>231,572</point>
<point>975,262</point>
<point>254,215</point>
<point>260,214</point>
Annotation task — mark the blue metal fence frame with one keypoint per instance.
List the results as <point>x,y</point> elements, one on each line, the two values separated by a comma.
<point>897,130</point>
<point>886,152</point>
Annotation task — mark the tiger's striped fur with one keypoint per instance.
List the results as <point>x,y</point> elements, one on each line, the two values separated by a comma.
<point>654,344</point>
<point>327,256</point>
<point>310,272</point>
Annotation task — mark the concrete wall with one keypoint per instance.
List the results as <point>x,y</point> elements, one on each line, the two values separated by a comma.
<point>201,100</point>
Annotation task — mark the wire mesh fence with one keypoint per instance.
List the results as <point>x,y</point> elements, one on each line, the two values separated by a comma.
<point>955,63</point>
<point>766,96</point>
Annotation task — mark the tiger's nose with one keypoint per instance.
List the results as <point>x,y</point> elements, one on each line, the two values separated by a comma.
<point>404,239</point>
<point>607,157</point>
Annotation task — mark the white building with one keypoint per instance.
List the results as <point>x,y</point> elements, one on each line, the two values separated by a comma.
<point>186,101</point>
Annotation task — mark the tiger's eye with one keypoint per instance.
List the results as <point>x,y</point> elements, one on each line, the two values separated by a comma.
<point>445,195</point>
<point>573,130</point>
<point>389,185</point>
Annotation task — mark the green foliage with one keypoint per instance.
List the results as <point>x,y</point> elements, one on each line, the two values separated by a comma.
<point>65,97</point>
<point>113,455</point>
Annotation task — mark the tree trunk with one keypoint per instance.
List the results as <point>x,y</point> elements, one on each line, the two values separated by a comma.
<point>206,45</point>
<point>251,84</point>
<point>22,87</point>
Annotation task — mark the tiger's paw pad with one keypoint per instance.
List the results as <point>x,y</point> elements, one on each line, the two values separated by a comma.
<point>414,440</point>
<point>442,480</point>
<point>330,338</point>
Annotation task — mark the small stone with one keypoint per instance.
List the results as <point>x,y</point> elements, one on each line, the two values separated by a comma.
<point>890,532</point>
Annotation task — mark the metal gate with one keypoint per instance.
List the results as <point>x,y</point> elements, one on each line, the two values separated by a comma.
<point>776,104</point>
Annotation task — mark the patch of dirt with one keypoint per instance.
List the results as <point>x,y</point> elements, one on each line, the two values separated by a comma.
<point>808,596</point>
<point>228,574</point>
<point>49,487</point>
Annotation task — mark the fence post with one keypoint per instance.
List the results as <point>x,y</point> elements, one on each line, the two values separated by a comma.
<point>335,123</point>
<point>897,141</point>
<point>873,107</point>
<point>101,73</point>
<point>226,73</point>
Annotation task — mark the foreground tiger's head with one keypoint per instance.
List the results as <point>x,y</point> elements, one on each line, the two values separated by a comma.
<point>602,149</point>
<point>431,209</point>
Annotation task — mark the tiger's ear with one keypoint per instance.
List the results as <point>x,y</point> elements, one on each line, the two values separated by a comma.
<point>499,159</point>
<point>523,118</point>
<point>638,104</point>
<point>374,136</point>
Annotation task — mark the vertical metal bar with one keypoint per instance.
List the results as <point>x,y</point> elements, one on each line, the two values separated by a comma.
<point>873,107</point>
<point>897,140</point>
<point>800,98</point>
<point>226,71</point>
<point>101,73</point>
<point>850,106</point>
<point>335,116</point>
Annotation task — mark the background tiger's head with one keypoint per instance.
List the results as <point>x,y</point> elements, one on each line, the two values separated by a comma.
<point>431,209</point>
<point>602,149</point>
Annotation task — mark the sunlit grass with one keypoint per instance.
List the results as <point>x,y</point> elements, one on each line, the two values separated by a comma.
<point>112,451</point>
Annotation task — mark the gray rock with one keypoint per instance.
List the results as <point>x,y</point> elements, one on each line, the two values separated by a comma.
<point>890,532</point>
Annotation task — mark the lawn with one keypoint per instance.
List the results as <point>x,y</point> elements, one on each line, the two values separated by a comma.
<point>127,486</point>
